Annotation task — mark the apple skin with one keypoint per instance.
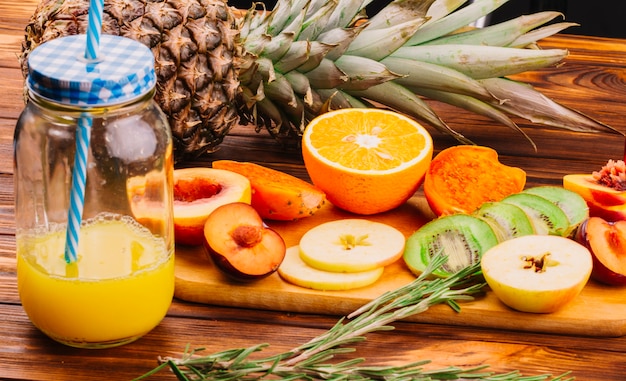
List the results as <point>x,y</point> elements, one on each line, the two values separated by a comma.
<point>607,243</point>
<point>603,201</point>
<point>197,193</point>
<point>568,269</point>
<point>240,244</point>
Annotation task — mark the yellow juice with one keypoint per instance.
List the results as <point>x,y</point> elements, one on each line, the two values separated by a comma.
<point>120,287</point>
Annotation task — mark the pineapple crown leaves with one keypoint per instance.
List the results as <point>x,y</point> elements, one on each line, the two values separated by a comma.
<point>282,67</point>
<point>333,56</point>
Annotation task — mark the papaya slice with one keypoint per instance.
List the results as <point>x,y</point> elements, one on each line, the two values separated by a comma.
<point>277,195</point>
<point>461,178</point>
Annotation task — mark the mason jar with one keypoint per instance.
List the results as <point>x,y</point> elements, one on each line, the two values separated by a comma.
<point>95,262</point>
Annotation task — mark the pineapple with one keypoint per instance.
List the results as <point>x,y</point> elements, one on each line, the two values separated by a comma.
<point>277,69</point>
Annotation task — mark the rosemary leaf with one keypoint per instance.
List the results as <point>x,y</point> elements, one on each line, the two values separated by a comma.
<point>310,361</point>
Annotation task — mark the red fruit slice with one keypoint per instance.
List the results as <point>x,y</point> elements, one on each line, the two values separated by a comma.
<point>240,244</point>
<point>589,188</point>
<point>607,242</point>
<point>197,193</point>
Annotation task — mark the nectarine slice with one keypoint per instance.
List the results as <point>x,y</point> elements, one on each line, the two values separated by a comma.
<point>586,186</point>
<point>197,193</point>
<point>607,242</point>
<point>295,271</point>
<point>351,245</point>
<point>240,244</point>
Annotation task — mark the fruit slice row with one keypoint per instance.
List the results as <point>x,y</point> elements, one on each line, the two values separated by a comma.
<point>342,254</point>
<point>463,238</point>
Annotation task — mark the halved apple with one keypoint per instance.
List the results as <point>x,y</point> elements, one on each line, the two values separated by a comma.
<point>607,243</point>
<point>295,271</point>
<point>197,193</point>
<point>537,273</point>
<point>351,245</point>
<point>240,244</point>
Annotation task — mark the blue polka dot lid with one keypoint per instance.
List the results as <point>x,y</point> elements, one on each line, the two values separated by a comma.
<point>58,71</point>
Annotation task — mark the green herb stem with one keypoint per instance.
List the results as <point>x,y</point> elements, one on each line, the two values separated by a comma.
<point>311,361</point>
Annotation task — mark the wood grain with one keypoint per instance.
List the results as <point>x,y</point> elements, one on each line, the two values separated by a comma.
<point>592,80</point>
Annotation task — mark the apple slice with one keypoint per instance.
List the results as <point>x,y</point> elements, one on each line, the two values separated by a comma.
<point>295,271</point>
<point>537,273</point>
<point>607,243</point>
<point>197,193</point>
<point>351,245</point>
<point>240,244</point>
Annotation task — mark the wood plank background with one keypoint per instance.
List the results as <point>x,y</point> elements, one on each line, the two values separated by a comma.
<point>592,80</point>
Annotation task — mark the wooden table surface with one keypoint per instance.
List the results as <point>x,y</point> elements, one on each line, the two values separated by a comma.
<point>592,80</point>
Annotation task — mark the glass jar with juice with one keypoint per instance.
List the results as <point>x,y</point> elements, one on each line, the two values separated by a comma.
<point>121,282</point>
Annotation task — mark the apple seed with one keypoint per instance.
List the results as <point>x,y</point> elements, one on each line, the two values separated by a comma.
<point>539,263</point>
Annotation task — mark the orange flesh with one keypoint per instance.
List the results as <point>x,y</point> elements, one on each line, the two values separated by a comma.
<point>367,161</point>
<point>460,179</point>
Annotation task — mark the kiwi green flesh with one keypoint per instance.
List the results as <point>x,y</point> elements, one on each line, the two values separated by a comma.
<point>507,220</point>
<point>571,203</point>
<point>546,217</point>
<point>460,237</point>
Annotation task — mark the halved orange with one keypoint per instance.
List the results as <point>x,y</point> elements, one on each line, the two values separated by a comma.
<point>367,161</point>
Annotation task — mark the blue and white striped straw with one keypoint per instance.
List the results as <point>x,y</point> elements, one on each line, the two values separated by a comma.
<point>83,136</point>
<point>77,194</point>
<point>94,28</point>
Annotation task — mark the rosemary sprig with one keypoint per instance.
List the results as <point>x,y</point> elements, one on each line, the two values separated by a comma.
<point>310,361</point>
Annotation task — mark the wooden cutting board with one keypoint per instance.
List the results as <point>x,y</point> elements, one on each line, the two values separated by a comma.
<point>598,311</point>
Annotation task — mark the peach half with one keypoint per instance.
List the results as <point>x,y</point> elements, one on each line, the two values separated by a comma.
<point>603,201</point>
<point>197,193</point>
<point>590,190</point>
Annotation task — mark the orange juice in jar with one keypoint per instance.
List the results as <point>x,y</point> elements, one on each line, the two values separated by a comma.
<point>119,288</point>
<point>119,281</point>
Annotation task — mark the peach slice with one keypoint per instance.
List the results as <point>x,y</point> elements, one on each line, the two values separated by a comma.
<point>146,201</point>
<point>197,193</point>
<point>240,244</point>
<point>607,243</point>
<point>603,201</point>
<point>591,191</point>
<point>351,245</point>
<point>295,271</point>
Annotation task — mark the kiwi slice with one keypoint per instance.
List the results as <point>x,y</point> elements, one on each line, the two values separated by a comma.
<point>573,205</point>
<point>546,217</point>
<point>507,220</point>
<point>460,237</point>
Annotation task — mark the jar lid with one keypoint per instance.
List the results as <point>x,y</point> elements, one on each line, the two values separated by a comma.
<point>58,71</point>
